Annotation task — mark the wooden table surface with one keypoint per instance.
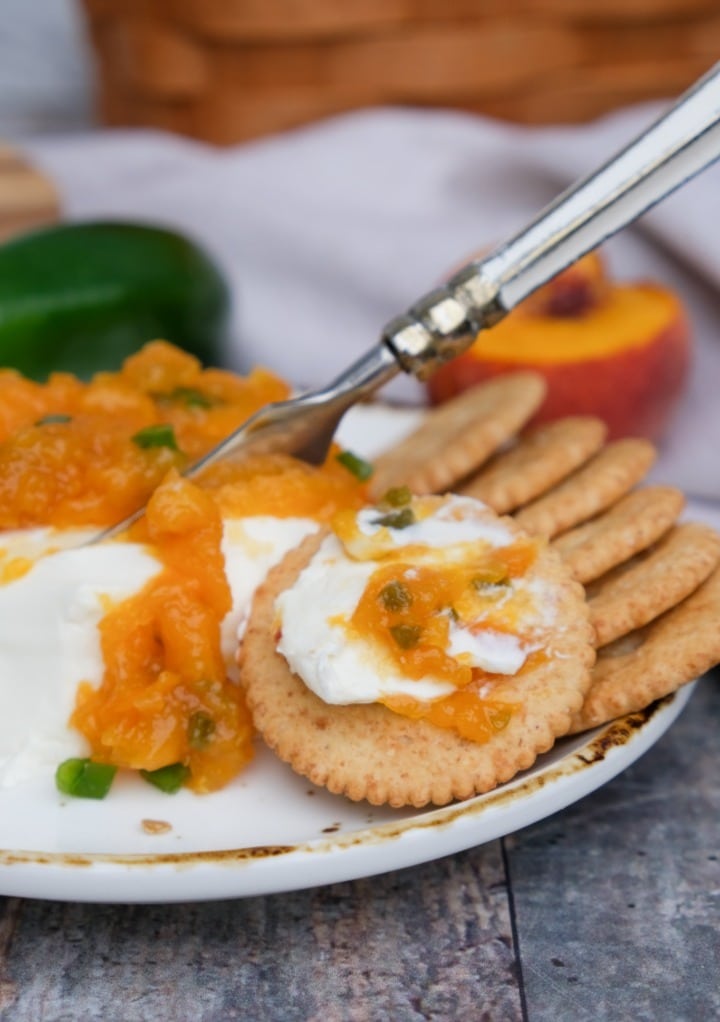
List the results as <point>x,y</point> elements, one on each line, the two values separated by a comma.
<point>609,910</point>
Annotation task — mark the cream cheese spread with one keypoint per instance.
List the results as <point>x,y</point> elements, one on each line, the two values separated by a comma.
<point>49,642</point>
<point>251,547</point>
<point>313,613</point>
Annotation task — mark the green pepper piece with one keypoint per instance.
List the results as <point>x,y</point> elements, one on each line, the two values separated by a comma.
<point>406,636</point>
<point>396,596</point>
<point>50,420</point>
<point>169,778</point>
<point>486,583</point>
<point>82,297</point>
<point>161,435</point>
<point>360,468</point>
<point>189,396</point>
<point>396,496</point>
<point>397,519</point>
<point>201,728</point>
<point>82,778</point>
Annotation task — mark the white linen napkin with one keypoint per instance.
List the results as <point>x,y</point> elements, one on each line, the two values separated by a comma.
<point>328,231</point>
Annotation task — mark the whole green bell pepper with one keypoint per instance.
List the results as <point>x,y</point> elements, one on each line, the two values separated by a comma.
<point>82,297</point>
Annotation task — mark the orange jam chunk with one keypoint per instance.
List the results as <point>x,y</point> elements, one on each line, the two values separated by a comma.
<point>407,610</point>
<point>165,697</point>
<point>279,485</point>
<point>469,714</point>
<point>67,454</point>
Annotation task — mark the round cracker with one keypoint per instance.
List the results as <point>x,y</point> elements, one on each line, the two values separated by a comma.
<point>369,752</point>
<point>633,524</point>
<point>603,480</point>
<point>653,662</point>
<point>540,459</point>
<point>649,585</point>
<point>458,436</point>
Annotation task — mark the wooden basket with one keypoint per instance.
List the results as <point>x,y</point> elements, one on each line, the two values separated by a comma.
<point>227,70</point>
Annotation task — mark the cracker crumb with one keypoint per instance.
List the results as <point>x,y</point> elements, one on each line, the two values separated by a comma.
<point>156,826</point>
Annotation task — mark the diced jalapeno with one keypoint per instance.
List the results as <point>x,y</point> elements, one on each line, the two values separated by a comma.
<point>190,397</point>
<point>201,728</point>
<point>50,420</point>
<point>486,583</point>
<point>406,636</point>
<point>84,779</point>
<point>396,596</point>
<point>169,778</point>
<point>396,496</point>
<point>360,468</point>
<point>397,519</point>
<point>162,435</point>
<point>500,718</point>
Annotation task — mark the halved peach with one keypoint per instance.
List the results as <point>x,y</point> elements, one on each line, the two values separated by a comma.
<point>618,351</point>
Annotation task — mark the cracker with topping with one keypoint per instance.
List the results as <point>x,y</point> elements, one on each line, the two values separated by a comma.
<point>407,744</point>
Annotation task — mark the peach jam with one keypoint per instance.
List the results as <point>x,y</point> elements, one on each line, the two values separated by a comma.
<point>76,454</point>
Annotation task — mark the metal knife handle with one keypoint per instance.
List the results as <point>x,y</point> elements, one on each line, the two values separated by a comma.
<point>680,144</point>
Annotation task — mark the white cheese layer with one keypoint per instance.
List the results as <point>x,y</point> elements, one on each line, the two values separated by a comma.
<point>17,545</point>
<point>456,520</point>
<point>252,546</point>
<point>450,524</point>
<point>49,642</point>
<point>317,648</point>
<point>496,652</point>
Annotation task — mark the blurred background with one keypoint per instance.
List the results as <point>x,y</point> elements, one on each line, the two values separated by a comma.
<point>338,159</point>
<point>46,76</point>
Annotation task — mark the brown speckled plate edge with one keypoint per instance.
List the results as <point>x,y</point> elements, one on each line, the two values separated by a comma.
<point>574,769</point>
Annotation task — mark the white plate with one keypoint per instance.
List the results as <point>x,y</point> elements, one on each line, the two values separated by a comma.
<point>271,830</point>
